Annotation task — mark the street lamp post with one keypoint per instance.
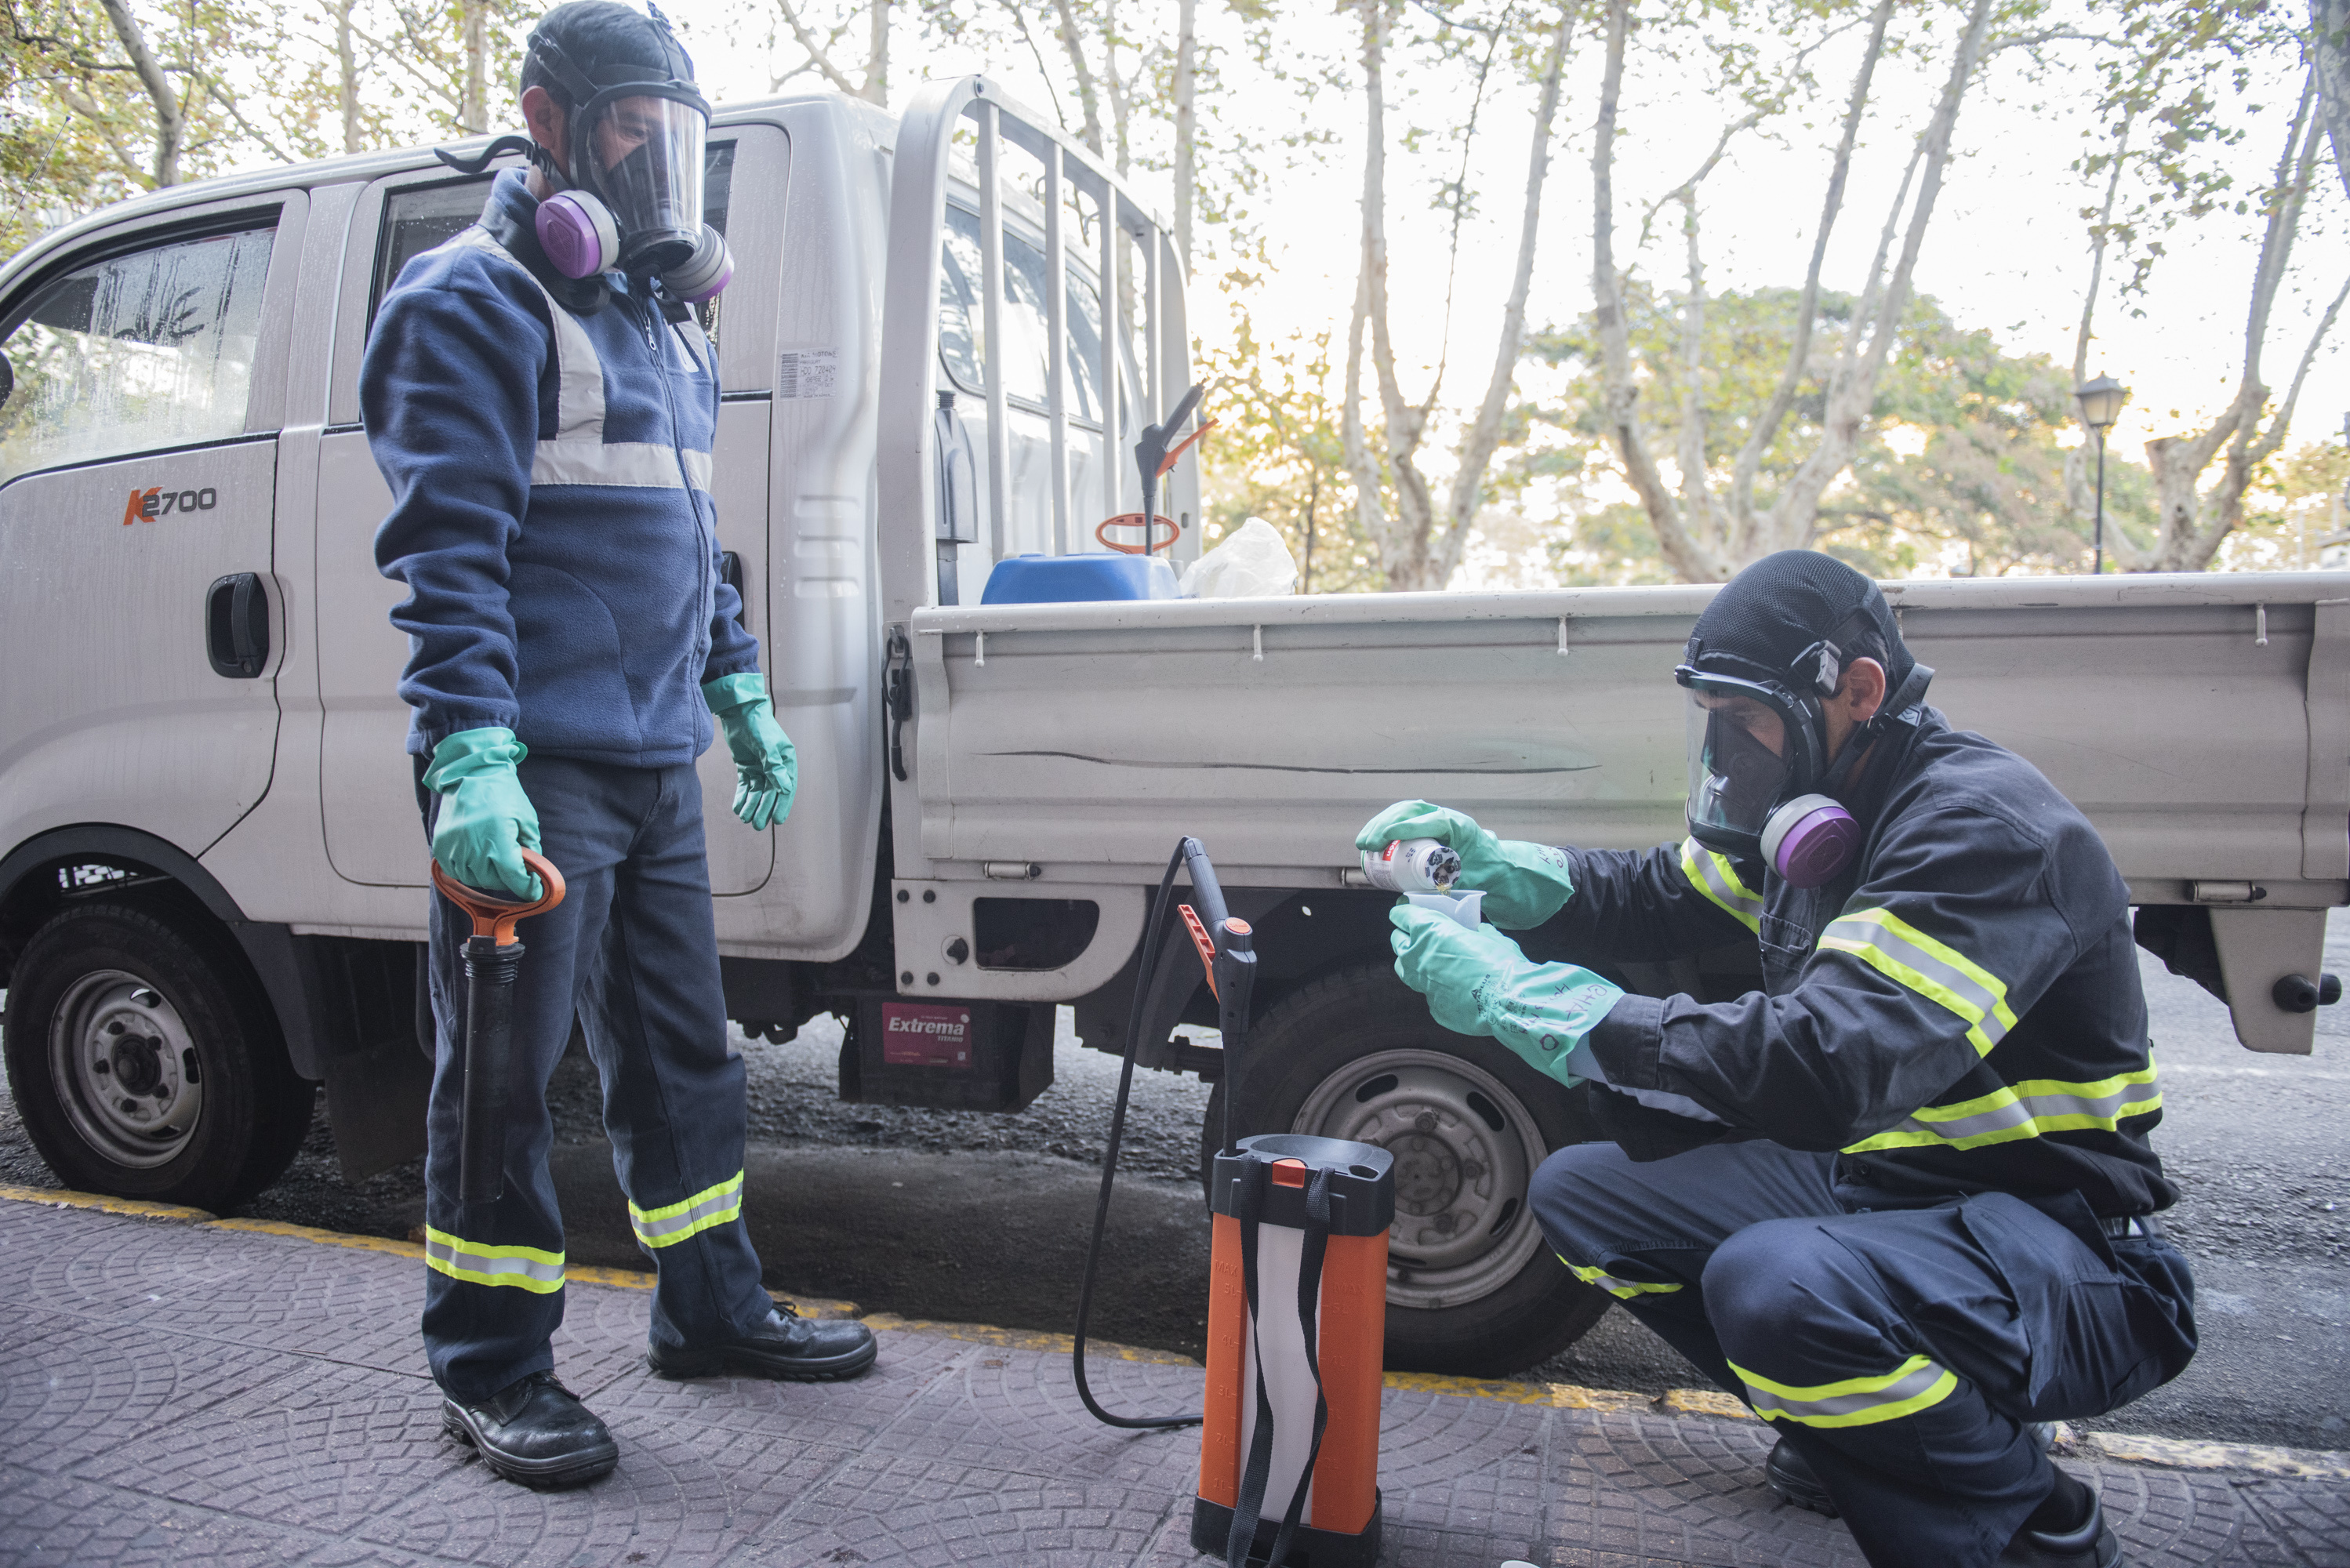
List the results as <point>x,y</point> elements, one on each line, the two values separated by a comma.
<point>2101,403</point>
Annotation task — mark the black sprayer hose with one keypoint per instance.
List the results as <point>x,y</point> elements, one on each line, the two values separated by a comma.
<point>1146,969</point>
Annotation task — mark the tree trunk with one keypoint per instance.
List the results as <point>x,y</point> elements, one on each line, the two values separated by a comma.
<point>1088,97</point>
<point>1485,432</point>
<point>473,109</point>
<point>1854,390</point>
<point>877,60</point>
<point>347,76</point>
<point>1766,429</point>
<point>1187,127</point>
<point>1692,560</point>
<point>2329,26</point>
<point>2194,523</point>
<point>170,122</point>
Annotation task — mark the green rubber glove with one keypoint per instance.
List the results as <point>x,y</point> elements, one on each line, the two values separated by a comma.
<point>1525,884</point>
<point>1477,982</point>
<point>485,821</point>
<point>766,769</point>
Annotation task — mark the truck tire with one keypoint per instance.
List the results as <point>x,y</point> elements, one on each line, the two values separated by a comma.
<point>145,1062</point>
<point>1472,1289</point>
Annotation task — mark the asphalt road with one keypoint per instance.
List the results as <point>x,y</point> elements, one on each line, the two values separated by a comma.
<point>969,1217</point>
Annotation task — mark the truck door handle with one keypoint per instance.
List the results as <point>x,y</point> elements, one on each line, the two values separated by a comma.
<point>730,572</point>
<point>236,626</point>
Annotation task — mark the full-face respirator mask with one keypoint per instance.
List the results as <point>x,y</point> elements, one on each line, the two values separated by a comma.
<point>1758,767</point>
<point>632,201</point>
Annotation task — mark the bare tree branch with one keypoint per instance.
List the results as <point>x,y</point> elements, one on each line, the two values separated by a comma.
<point>817,52</point>
<point>170,122</point>
<point>1765,429</point>
<point>1485,431</point>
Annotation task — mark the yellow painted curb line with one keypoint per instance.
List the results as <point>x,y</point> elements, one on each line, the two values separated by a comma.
<point>1571,1395</point>
<point>58,1198</point>
<point>2171,1453</point>
<point>1022,1339</point>
<point>2184,1454</point>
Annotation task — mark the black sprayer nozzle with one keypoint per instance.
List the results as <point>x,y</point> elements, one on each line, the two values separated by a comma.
<point>1150,456</point>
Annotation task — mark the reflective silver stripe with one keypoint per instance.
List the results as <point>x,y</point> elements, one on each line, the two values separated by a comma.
<point>712,1205</point>
<point>1903,953</point>
<point>1914,1386</point>
<point>1710,874</point>
<point>646,465</point>
<point>1623,1290</point>
<point>579,373</point>
<point>2027,1109</point>
<point>531,1269</point>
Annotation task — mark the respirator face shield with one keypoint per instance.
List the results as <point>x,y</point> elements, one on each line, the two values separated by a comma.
<point>1751,747</point>
<point>640,152</point>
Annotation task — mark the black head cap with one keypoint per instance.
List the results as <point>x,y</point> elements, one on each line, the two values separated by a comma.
<point>1768,621</point>
<point>584,46</point>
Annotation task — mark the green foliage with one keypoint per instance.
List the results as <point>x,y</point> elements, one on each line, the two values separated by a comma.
<point>1278,455</point>
<point>1963,470</point>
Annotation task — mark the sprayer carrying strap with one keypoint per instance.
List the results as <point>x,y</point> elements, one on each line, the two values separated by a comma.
<point>1249,1506</point>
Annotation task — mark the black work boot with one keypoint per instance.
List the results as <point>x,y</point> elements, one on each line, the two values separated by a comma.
<point>787,1347</point>
<point>1791,1475</point>
<point>535,1431</point>
<point>2089,1544</point>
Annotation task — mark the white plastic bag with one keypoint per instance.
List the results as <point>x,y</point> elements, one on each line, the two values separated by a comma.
<point>1254,563</point>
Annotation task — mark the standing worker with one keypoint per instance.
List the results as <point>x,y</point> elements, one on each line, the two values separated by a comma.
<point>542,402</point>
<point>1898,1200</point>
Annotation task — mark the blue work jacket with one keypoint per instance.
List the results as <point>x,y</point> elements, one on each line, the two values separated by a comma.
<point>1957,1011</point>
<point>551,513</point>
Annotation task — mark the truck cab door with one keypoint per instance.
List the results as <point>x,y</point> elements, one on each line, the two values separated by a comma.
<point>366,778</point>
<point>143,628</point>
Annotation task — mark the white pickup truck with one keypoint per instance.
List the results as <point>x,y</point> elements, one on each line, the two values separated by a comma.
<point>213,876</point>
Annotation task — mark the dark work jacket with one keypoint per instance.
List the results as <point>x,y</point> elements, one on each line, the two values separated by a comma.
<point>551,513</point>
<point>1958,1013</point>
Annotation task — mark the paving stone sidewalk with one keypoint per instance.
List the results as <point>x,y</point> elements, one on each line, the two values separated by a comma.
<point>190,1393</point>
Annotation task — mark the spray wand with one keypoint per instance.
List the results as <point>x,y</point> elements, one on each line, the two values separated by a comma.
<point>1227,948</point>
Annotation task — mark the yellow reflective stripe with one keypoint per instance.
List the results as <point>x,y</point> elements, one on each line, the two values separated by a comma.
<point>1915,1384</point>
<point>1934,971</point>
<point>2025,1109</point>
<point>673,1223</point>
<point>1710,874</point>
<point>524,1268</point>
<point>1623,1290</point>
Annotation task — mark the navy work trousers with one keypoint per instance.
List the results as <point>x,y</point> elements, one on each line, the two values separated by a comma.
<point>631,951</point>
<point>1901,1351</point>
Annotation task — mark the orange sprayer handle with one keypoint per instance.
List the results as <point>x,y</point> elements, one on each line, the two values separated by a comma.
<point>495,918</point>
<point>1150,545</point>
<point>1166,463</point>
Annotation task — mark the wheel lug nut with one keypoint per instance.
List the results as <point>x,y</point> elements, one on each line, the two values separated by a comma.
<point>1426,1121</point>
<point>101,1066</point>
<point>114,1026</point>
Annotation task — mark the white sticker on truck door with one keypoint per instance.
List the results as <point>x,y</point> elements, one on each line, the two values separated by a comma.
<point>807,373</point>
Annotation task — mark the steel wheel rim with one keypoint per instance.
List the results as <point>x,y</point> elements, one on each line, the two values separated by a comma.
<point>1462,1230</point>
<point>124,1065</point>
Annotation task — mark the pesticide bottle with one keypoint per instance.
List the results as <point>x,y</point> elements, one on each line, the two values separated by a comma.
<point>1412,866</point>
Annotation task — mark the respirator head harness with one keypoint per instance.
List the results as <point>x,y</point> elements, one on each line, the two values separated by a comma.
<point>1765,656</point>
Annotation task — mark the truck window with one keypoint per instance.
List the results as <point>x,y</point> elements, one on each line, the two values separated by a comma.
<point>1025,371</point>
<point>151,349</point>
<point>422,217</point>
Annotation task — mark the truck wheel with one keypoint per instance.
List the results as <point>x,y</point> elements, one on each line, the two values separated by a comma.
<point>145,1063</point>
<point>1473,1289</point>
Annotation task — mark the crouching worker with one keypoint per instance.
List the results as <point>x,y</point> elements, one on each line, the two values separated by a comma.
<point>1899,1200</point>
<point>544,414</point>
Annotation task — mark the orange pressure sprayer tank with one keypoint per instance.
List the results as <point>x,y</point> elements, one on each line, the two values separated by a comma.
<point>1297,1320</point>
